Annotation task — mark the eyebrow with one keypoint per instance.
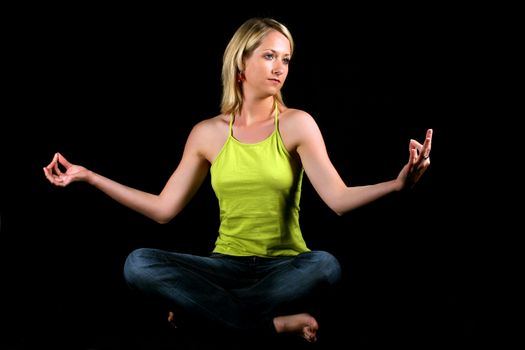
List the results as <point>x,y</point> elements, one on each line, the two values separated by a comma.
<point>275,51</point>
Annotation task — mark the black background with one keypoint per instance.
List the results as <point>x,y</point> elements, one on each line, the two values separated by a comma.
<point>118,89</point>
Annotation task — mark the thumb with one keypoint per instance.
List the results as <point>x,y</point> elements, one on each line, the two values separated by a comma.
<point>62,160</point>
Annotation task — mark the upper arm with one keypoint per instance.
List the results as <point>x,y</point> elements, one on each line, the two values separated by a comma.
<point>318,167</point>
<point>188,176</point>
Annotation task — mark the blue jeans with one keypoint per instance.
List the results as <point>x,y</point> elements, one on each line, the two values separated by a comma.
<point>233,293</point>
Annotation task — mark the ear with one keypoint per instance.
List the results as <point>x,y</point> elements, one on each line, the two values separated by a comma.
<point>240,77</point>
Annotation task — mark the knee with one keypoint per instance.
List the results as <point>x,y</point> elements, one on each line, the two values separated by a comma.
<point>329,266</point>
<point>135,266</point>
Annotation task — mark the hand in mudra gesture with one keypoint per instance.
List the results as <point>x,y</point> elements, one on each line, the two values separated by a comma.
<point>69,174</point>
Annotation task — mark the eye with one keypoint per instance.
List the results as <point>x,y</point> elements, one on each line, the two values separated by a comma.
<point>269,56</point>
<point>286,60</point>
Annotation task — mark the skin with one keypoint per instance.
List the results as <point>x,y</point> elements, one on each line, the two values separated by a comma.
<point>264,74</point>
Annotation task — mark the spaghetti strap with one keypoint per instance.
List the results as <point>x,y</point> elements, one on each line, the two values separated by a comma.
<point>231,124</point>
<point>276,115</point>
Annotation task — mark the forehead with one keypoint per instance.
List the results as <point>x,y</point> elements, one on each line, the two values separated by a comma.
<point>275,41</point>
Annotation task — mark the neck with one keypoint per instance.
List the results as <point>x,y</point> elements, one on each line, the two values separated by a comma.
<point>255,111</point>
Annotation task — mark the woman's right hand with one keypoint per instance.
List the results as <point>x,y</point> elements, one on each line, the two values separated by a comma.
<point>61,178</point>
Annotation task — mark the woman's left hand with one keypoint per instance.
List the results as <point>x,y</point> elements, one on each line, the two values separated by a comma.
<point>418,162</point>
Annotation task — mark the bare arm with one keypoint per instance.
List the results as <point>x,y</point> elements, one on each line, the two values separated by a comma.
<point>179,189</point>
<point>332,189</point>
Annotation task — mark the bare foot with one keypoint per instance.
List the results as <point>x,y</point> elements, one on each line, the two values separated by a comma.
<point>171,319</point>
<point>304,324</point>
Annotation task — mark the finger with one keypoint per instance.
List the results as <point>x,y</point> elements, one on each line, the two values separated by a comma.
<point>49,176</point>
<point>417,148</point>
<point>412,154</point>
<point>46,173</point>
<point>49,167</point>
<point>415,143</point>
<point>425,152</point>
<point>64,161</point>
<point>55,180</point>
<point>427,146</point>
<point>56,168</point>
<point>51,163</point>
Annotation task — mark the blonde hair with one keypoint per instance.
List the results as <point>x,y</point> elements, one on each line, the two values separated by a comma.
<point>245,40</point>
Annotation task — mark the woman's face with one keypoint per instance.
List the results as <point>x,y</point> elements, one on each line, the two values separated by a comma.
<point>265,71</point>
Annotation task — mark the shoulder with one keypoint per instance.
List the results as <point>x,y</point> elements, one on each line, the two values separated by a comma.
<point>211,123</point>
<point>210,127</point>
<point>294,114</point>
<point>296,121</point>
<point>208,136</point>
<point>297,127</point>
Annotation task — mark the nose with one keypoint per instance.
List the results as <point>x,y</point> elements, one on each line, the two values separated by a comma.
<point>278,70</point>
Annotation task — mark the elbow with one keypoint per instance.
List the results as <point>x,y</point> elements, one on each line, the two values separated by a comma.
<point>335,201</point>
<point>338,212</point>
<point>163,217</point>
<point>338,209</point>
<point>162,221</point>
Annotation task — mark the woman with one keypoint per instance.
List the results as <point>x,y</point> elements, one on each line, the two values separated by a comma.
<point>261,276</point>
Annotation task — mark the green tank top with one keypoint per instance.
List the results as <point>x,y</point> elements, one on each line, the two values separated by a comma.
<point>259,188</point>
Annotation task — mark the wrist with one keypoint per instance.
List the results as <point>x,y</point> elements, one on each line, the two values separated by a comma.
<point>90,177</point>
